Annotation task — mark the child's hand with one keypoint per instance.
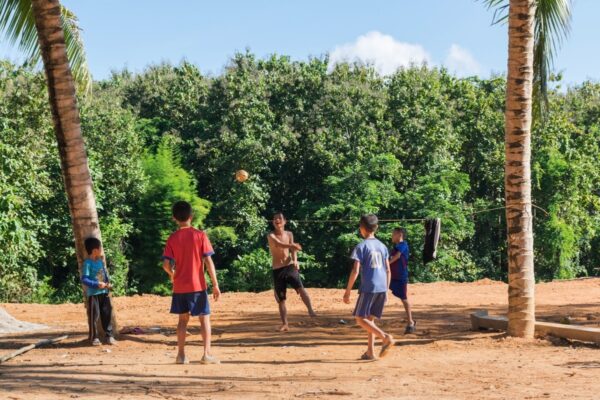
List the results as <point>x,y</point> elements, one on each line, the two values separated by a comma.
<point>347,297</point>
<point>101,285</point>
<point>216,293</point>
<point>297,265</point>
<point>297,247</point>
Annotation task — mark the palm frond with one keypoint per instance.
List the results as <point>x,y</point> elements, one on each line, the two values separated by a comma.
<point>500,8</point>
<point>76,50</point>
<point>552,26</point>
<point>17,25</point>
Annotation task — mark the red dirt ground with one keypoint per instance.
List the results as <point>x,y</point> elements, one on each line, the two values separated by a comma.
<point>318,357</point>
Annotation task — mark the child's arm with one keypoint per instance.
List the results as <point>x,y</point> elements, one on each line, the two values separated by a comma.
<point>168,269</point>
<point>395,257</point>
<point>388,273</point>
<point>351,280</point>
<point>88,280</point>
<point>276,242</point>
<point>213,277</point>
<point>294,253</point>
<point>106,277</point>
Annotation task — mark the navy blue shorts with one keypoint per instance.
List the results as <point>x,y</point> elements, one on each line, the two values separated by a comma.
<point>399,288</point>
<point>370,304</point>
<point>195,303</point>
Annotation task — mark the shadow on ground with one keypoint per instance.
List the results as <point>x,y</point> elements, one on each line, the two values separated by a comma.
<point>243,331</point>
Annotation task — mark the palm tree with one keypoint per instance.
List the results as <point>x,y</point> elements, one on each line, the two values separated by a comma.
<point>43,27</point>
<point>535,29</point>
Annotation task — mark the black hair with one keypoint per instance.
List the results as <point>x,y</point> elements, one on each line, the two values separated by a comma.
<point>278,213</point>
<point>401,230</point>
<point>369,222</point>
<point>182,211</point>
<point>92,243</point>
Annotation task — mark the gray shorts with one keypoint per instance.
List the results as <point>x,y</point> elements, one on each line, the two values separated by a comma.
<point>370,304</point>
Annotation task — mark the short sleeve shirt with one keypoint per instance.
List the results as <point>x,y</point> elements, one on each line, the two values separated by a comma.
<point>372,255</point>
<point>186,248</point>
<point>399,268</point>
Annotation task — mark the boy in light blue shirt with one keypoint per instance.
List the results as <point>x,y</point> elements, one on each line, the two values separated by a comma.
<point>371,259</point>
<point>95,278</point>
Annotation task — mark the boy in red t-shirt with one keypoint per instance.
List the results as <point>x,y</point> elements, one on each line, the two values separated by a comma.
<point>185,251</point>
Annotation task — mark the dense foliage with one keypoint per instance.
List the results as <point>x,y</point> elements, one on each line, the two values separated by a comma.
<point>323,146</point>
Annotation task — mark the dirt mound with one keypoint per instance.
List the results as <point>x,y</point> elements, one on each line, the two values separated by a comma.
<point>487,282</point>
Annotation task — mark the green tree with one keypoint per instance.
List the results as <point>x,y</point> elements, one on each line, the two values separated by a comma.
<point>167,183</point>
<point>24,182</point>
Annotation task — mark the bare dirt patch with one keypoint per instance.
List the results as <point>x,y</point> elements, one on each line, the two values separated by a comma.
<point>318,357</point>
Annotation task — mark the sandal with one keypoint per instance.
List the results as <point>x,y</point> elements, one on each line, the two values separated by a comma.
<point>411,328</point>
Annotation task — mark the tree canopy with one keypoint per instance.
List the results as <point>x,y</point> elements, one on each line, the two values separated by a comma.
<point>321,146</point>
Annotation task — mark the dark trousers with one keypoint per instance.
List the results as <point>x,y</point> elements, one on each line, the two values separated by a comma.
<point>99,308</point>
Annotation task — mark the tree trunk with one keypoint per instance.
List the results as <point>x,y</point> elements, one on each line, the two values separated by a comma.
<point>67,127</point>
<point>517,174</point>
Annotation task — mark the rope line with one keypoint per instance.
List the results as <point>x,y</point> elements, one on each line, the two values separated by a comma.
<point>335,221</point>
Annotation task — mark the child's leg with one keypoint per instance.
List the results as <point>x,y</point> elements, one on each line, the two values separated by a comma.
<point>283,315</point>
<point>93,315</point>
<point>105,307</point>
<point>181,332</point>
<point>369,325</point>
<point>371,343</point>
<point>306,300</point>
<point>408,310</point>
<point>206,332</point>
<point>387,340</point>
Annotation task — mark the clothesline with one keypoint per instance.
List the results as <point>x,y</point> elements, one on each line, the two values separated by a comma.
<point>334,221</point>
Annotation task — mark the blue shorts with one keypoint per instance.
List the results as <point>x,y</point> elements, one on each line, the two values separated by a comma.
<point>398,288</point>
<point>195,303</point>
<point>370,304</point>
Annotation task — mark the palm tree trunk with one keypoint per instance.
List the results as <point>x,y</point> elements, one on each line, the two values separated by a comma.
<point>67,127</point>
<point>517,178</point>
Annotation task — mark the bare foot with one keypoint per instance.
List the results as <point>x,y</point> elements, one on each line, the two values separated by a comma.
<point>312,314</point>
<point>284,328</point>
<point>368,357</point>
<point>387,344</point>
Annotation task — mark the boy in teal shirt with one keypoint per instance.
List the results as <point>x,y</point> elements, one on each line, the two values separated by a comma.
<point>95,278</point>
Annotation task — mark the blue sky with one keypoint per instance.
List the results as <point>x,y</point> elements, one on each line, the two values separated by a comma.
<point>455,33</point>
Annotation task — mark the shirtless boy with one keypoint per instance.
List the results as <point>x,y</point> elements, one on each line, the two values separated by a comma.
<point>284,254</point>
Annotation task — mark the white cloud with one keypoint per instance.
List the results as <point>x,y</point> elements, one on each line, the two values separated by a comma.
<point>383,52</point>
<point>461,61</point>
<point>387,54</point>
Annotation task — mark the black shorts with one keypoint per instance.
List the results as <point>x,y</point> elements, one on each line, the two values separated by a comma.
<point>284,276</point>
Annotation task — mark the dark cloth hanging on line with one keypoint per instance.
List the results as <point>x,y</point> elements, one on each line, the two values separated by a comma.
<point>432,236</point>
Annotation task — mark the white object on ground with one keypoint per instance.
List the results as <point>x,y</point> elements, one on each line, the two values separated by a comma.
<point>9,324</point>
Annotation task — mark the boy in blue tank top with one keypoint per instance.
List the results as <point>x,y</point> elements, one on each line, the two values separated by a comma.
<point>371,259</point>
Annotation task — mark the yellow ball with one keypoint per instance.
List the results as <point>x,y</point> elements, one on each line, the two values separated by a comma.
<point>241,175</point>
